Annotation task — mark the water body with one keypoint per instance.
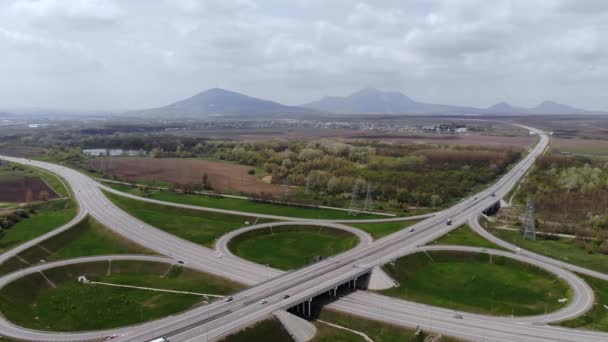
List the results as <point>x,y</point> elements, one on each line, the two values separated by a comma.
<point>113,152</point>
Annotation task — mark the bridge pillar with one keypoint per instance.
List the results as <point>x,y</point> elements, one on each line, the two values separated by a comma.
<point>309,304</point>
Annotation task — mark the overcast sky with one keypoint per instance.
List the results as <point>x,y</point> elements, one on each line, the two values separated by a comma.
<point>111,54</point>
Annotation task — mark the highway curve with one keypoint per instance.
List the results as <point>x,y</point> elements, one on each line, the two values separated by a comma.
<point>219,318</point>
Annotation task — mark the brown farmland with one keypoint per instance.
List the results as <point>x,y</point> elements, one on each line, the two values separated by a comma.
<point>591,147</point>
<point>472,139</point>
<point>24,189</point>
<point>223,177</point>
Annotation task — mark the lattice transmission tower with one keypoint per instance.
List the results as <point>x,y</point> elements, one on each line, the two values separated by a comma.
<point>369,201</point>
<point>352,209</point>
<point>529,226</point>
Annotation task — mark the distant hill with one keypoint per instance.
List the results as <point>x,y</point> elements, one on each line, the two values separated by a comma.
<point>546,107</point>
<point>216,101</point>
<point>374,101</point>
<point>221,102</point>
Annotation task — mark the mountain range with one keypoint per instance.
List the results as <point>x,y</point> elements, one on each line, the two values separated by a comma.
<point>216,101</point>
<point>221,102</point>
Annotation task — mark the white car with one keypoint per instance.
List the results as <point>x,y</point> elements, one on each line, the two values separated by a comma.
<point>263,301</point>
<point>411,230</point>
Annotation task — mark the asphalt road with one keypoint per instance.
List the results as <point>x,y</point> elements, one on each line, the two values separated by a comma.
<point>220,318</point>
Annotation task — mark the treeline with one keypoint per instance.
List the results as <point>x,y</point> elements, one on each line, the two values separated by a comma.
<point>572,191</point>
<point>326,171</point>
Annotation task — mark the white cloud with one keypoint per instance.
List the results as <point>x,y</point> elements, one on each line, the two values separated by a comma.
<point>134,53</point>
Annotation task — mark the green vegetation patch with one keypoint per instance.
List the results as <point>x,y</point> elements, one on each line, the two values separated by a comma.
<point>46,217</point>
<point>597,317</point>
<point>200,227</point>
<point>382,229</point>
<point>87,238</point>
<point>291,247</point>
<point>565,249</point>
<point>476,282</point>
<point>270,330</point>
<point>252,206</point>
<point>72,306</point>
<point>51,179</point>
<point>377,331</point>
<point>464,236</point>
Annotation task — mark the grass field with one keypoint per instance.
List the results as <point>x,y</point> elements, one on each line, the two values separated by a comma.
<point>269,330</point>
<point>48,217</point>
<point>291,247</point>
<point>72,306</point>
<point>476,283</point>
<point>87,238</point>
<point>464,236</point>
<point>241,204</point>
<point>379,230</point>
<point>597,317</point>
<point>377,331</point>
<point>564,249</point>
<point>197,226</point>
<point>592,147</point>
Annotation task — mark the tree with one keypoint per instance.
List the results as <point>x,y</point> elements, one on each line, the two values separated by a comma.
<point>29,197</point>
<point>43,196</point>
<point>206,183</point>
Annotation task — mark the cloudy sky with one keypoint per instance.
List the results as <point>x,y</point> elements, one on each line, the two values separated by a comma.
<point>123,54</point>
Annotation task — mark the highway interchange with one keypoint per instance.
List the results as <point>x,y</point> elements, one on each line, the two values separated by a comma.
<point>220,318</point>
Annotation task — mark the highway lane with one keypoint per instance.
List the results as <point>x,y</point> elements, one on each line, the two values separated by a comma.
<point>474,223</point>
<point>384,248</point>
<point>266,216</point>
<point>458,208</point>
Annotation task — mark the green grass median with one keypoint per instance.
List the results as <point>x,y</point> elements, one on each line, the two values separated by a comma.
<point>476,282</point>
<point>32,302</point>
<point>246,205</point>
<point>291,247</point>
<point>200,227</point>
<point>46,218</point>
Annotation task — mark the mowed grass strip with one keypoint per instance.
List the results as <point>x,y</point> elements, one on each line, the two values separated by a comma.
<point>291,247</point>
<point>597,317</point>
<point>87,238</point>
<point>48,216</point>
<point>269,330</point>
<point>51,179</point>
<point>201,227</point>
<point>375,330</point>
<point>476,282</point>
<point>237,204</point>
<point>564,249</point>
<point>31,302</point>
<point>464,236</point>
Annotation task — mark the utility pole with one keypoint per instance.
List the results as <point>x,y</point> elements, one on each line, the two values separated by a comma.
<point>529,226</point>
